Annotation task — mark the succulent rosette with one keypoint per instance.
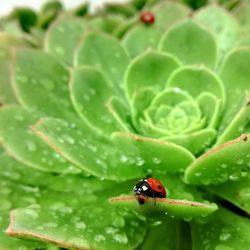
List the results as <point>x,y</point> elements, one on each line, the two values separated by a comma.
<point>109,99</point>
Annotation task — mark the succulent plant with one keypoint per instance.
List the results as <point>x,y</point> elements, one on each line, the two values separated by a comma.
<point>90,105</point>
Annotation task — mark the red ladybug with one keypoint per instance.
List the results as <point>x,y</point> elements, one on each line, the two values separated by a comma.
<point>147,17</point>
<point>149,187</point>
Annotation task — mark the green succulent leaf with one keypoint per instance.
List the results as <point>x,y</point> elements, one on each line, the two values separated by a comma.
<point>195,142</point>
<point>12,196</point>
<point>236,191</point>
<point>220,230</point>
<point>49,91</point>
<point>154,155</point>
<point>6,92</point>
<point>235,74</point>
<point>89,90</point>
<point>150,69</point>
<point>222,24</point>
<point>162,207</point>
<point>106,24</point>
<point>240,124</point>
<point>176,12</point>
<point>15,125</point>
<point>196,80</point>
<point>106,54</point>
<point>191,43</point>
<point>146,37</point>
<point>63,36</point>
<point>67,221</point>
<point>227,161</point>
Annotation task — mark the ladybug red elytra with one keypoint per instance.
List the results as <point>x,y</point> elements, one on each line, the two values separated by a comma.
<point>149,187</point>
<point>147,17</point>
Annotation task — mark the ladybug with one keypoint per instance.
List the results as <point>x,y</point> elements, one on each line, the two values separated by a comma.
<point>147,17</point>
<point>149,187</point>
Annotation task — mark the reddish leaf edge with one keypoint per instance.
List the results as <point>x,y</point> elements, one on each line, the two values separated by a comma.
<point>27,234</point>
<point>133,198</point>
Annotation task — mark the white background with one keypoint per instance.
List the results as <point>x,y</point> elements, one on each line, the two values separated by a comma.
<point>7,5</point>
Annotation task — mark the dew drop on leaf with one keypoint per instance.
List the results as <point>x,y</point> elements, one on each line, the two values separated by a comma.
<point>118,221</point>
<point>80,225</point>
<point>68,139</point>
<point>31,146</point>
<point>99,238</point>
<point>121,238</point>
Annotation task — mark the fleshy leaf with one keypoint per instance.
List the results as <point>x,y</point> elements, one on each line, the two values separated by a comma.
<point>191,43</point>
<point>211,108</point>
<point>105,24</point>
<point>67,221</point>
<point>46,91</point>
<point>196,142</point>
<point>145,37</point>
<point>222,24</point>
<point>153,154</point>
<point>15,125</point>
<point>196,80</point>
<point>227,161</point>
<point>235,191</point>
<point>222,230</point>
<point>107,160</point>
<point>6,92</point>
<point>87,150</point>
<point>150,69</point>
<point>235,75</point>
<point>120,114</point>
<point>240,124</point>
<point>106,54</point>
<point>161,206</point>
<point>90,93</point>
<point>63,36</point>
<point>13,195</point>
<point>176,11</point>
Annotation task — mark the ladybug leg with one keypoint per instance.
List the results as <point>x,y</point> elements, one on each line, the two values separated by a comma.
<point>154,199</point>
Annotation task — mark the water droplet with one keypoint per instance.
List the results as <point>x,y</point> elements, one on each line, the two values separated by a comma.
<point>123,158</point>
<point>176,89</point>
<point>48,84</point>
<point>77,241</point>
<point>92,148</point>
<point>68,139</point>
<point>224,165</point>
<point>224,236</point>
<point>118,221</point>
<point>32,213</point>
<point>60,50</point>
<point>240,162</point>
<point>31,146</point>
<point>234,177</point>
<point>50,225</point>
<point>156,160</point>
<point>139,161</point>
<point>80,225</point>
<point>156,223</point>
<point>92,91</point>
<point>121,238</point>
<point>99,237</point>
<point>198,174</point>
<point>111,230</point>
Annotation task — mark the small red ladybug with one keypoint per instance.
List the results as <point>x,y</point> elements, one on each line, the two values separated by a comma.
<point>147,17</point>
<point>149,187</point>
